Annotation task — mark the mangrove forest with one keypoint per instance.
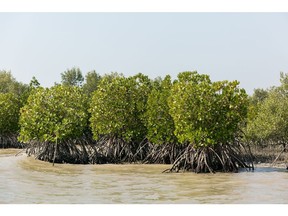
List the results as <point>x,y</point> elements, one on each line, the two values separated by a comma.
<point>192,123</point>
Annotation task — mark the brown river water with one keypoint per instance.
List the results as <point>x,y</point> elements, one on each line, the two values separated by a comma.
<point>26,180</point>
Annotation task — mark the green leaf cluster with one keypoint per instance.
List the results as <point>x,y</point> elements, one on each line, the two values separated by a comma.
<point>8,84</point>
<point>159,123</point>
<point>72,77</point>
<point>118,107</point>
<point>55,113</point>
<point>206,113</point>
<point>268,122</point>
<point>9,113</point>
<point>92,79</point>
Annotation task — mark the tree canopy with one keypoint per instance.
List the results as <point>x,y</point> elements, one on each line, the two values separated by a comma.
<point>55,113</point>
<point>159,123</point>
<point>206,113</point>
<point>268,123</point>
<point>92,80</point>
<point>9,113</point>
<point>72,77</point>
<point>8,84</point>
<point>194,121</point>
<point>111,111</point>
<point>118,106</point>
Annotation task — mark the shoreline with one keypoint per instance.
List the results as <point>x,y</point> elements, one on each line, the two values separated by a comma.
<point>276,165</point>
<point>19,152</point>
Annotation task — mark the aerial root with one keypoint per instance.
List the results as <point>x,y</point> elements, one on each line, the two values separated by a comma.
<point>116,150</point>
<point>10,141</point>
<point>74,151</point>
<point>220,158</point>
<point>165,153</point>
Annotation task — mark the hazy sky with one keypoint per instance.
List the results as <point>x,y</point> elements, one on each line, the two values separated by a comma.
<point>249,47</point>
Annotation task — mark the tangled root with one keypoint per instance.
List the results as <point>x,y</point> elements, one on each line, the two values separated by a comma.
<point>10,141</point>
<point>116,150</point>
<point>165,153</point>
<point>219,158</point>
<point>73,151</point>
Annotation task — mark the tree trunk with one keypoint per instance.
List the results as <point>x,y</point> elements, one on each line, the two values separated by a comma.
<point>55,151</point>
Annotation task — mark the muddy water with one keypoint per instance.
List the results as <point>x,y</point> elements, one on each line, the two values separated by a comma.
<point>25,180</point>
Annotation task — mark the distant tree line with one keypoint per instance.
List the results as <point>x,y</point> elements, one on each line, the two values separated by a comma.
<point>267,122</point>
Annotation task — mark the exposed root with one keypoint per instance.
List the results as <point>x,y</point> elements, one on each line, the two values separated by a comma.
<point>283,150</point>
<point>162,154</point>
<point>219,158</point>
<point>10,141</point>
<point>142,150</point>
<point>84,150</point>
<point>116,150</point>
<point>73,151</point>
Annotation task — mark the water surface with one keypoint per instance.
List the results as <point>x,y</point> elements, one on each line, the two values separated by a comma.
<point>26,180</point>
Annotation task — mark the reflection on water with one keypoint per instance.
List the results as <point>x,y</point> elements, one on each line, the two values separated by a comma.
<point>25,180</point>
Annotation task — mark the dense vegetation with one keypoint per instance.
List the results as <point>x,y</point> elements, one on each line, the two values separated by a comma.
<point>163,144</point>
<point>117,116</point>
<point>268,116</point>
<point>51,120</point>
<point>12,96</point>
<point>192,123</point>
<point>208,116</point>
<point>9,116</point>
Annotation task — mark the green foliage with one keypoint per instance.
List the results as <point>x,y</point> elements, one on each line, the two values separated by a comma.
<point>270,122</point>
<point>34,83</point>
<point>259,96</point>
<point>9,113</point>
<point>8,84</point>
<point>231,110</point>
<point>72,77</point>
<point>142,86</point>
<point>118,106</point>
<point>111,76</point>
<point>268,117</point>
<point>206,113</point>
<point>159,123</point>
<point>255,101</point>
<point>53,114</point>
<point>92,81</point>
<point>156,83</point>
<point>284,81</point>
<point>111,110</point>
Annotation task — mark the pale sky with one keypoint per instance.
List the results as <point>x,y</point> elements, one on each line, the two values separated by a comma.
<point>249,47</point>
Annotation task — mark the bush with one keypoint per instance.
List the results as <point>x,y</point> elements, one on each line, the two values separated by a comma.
<point>53,116</point>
